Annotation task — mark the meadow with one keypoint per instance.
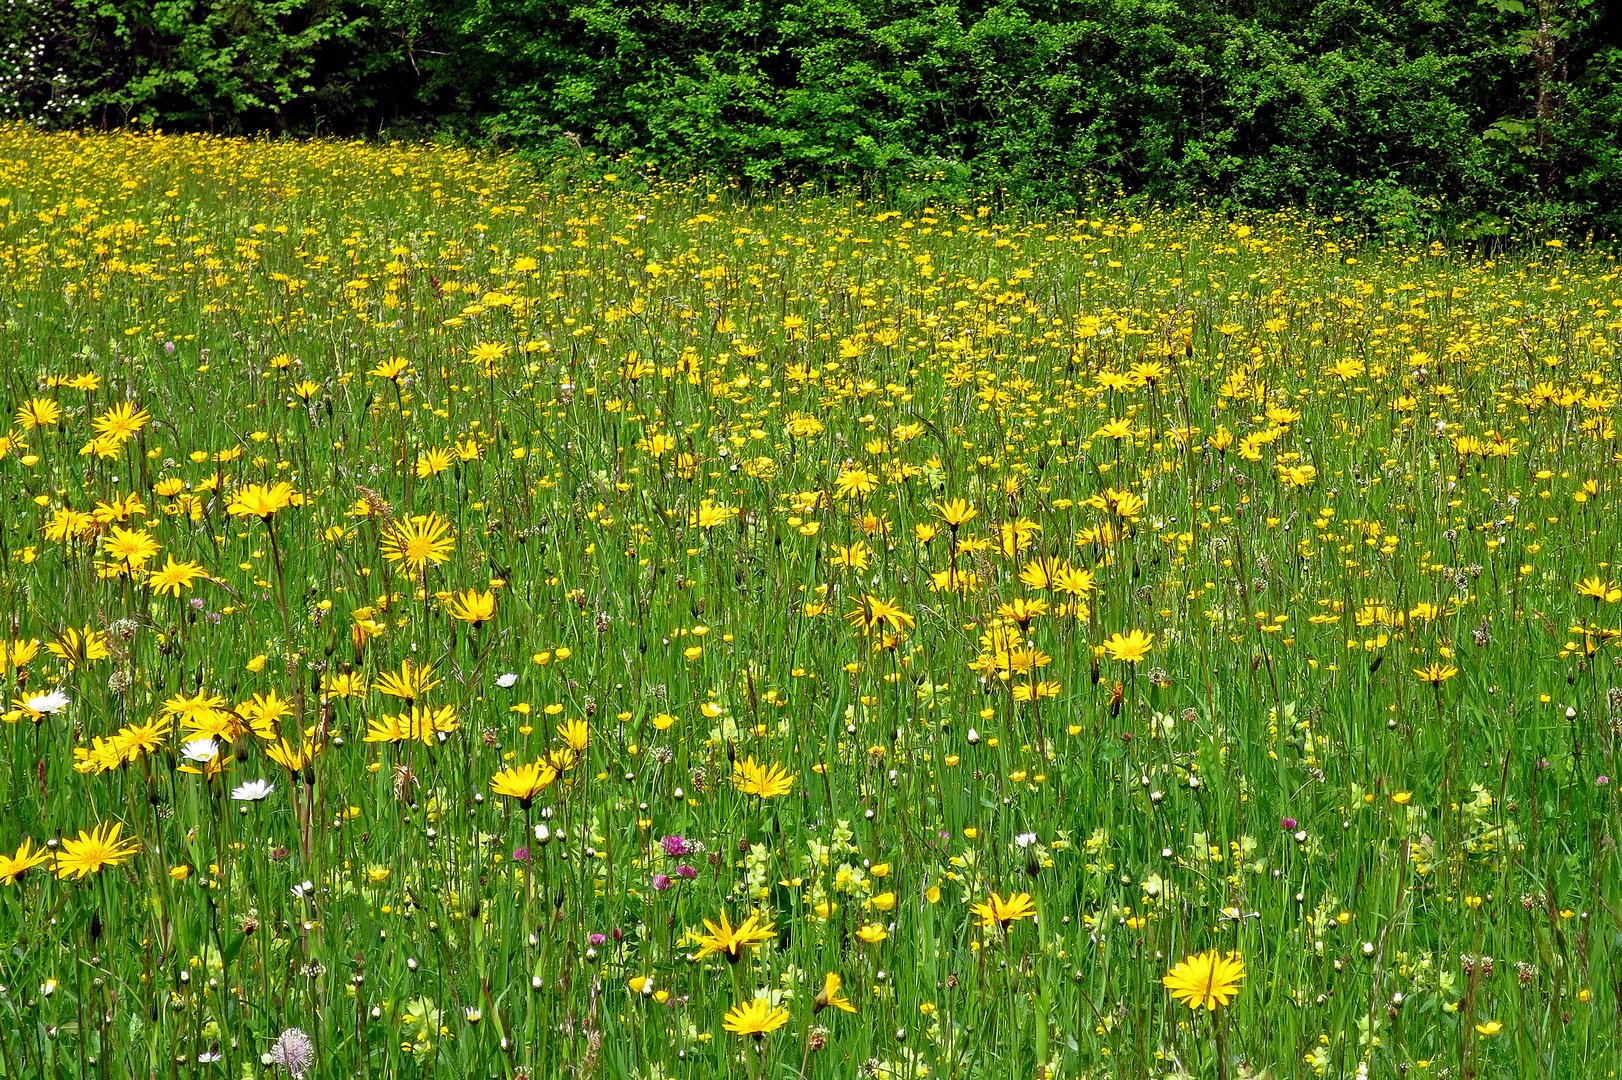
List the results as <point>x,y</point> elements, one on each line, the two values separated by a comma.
<point>460,621</point>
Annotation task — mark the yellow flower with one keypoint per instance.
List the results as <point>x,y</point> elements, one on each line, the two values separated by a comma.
<point>1073,581</point>
<point>1131,647</point>
<point>872,613</point>
<point>38,412</point>
<point>758,1018</point>
<point>434,461</point>
<point>574,734</point>
<point>418,541</point>
<point>1436,674</point>
<point>175,577</point>
<point>854,556</point>
<point>488,353</point>
<point>121,421</point>
<point>802,427</point>
<point>424,724</point>
<point>766,781</point>
<point>26,858</point>
<point>524,782</point>
<point>75,648</point>
<point>1489,1029</point>
<point>293,760</point>
<point>410,683</point>
<point>261,500</point>
<point>129,547</point>
<point>1599,589</point>
<point>392,368</point>
<point>995,911</point>
<point>1206,980</point>
<point>956,513</point>
<point>731,941</point>
<point>831,995</point>
<point>1121,504</point>
<point>343,684</point>
<point>101,847</point>
<point>855,481</point>
<point>1297,476</point>
<point>473,606</point>
<point>708,515</point>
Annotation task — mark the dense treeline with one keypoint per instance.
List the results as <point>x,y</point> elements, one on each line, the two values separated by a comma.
<point>1484,115</point>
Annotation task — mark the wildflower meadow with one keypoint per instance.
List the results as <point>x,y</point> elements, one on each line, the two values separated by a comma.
<point>459,619</point>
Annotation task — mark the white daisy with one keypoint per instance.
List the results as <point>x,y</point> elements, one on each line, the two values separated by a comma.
<point>200,750</point>
<point>253,791</point>
<point>47,704</point>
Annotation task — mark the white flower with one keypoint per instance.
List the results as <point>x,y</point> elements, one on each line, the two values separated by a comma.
<point>302,889</point>
<point>48,704</point>
<point>253,791</point>
<point>506,681</point>
<point>200,749</point>
<point>1025,839</point>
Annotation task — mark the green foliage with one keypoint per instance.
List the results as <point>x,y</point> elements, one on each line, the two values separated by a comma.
<point>213,65</point>
<point>1478,114</point>
<point>1404,114</point>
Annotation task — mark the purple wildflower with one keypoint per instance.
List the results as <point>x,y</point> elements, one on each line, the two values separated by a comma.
<point>294,1052</point>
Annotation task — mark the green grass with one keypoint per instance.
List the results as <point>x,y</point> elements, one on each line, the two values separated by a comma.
<point>670,416</point>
